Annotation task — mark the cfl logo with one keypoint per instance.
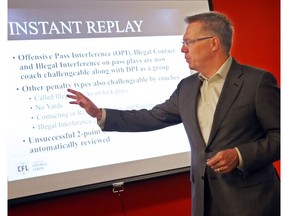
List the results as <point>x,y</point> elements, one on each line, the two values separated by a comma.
<point>22,168</point>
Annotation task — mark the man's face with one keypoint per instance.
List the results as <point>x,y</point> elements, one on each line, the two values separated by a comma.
<point>197,52</point>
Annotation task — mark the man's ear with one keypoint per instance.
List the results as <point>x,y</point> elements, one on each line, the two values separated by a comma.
<point>215,43</point>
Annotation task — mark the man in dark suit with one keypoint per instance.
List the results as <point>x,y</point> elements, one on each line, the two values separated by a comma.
<point>231,113</point>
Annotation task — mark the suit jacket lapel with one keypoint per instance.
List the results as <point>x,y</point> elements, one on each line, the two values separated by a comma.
<point>195,130</point>
<point>228,95</point>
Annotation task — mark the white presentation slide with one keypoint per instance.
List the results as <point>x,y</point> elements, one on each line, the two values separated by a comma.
<point>121,54</point>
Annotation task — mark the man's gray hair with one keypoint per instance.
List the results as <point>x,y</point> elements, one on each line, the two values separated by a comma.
<point>216,24</point>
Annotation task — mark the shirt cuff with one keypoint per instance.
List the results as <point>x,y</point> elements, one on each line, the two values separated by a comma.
<point>240,165</point>
<point>101,121</point>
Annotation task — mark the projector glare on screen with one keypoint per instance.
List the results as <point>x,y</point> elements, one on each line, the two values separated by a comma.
<point>121,54</point>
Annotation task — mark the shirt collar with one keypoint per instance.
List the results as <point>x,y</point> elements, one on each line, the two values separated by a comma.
<point>222,71</point>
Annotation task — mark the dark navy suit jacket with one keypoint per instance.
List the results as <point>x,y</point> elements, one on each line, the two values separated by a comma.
<point>247,116</point>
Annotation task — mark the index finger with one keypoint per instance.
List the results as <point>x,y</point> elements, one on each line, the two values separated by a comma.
<point>73,91</point>
<point>212,161</point>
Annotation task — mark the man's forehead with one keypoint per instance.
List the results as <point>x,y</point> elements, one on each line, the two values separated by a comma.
<point>193,29</point>
<point>196,26</point>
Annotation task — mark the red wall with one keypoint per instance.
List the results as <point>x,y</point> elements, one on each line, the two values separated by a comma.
<point>256,42</point>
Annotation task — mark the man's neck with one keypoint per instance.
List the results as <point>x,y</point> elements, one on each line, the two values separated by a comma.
<point>213,66</point>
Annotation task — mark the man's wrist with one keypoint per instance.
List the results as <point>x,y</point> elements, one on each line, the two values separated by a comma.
<point>99,114</point>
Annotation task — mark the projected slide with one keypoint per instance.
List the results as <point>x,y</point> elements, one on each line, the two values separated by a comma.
<point>121,54</point>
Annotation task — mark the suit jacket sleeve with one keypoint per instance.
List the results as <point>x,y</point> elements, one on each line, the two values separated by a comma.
<point>160,116</point>
<point>266,148</point>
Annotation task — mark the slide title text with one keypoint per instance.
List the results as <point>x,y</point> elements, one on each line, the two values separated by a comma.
<point>74,27</point>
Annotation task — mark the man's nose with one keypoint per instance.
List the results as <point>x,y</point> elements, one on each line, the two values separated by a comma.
<point>184,49</point>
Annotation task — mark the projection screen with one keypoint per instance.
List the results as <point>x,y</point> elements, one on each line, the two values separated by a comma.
<point>121,54</point>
